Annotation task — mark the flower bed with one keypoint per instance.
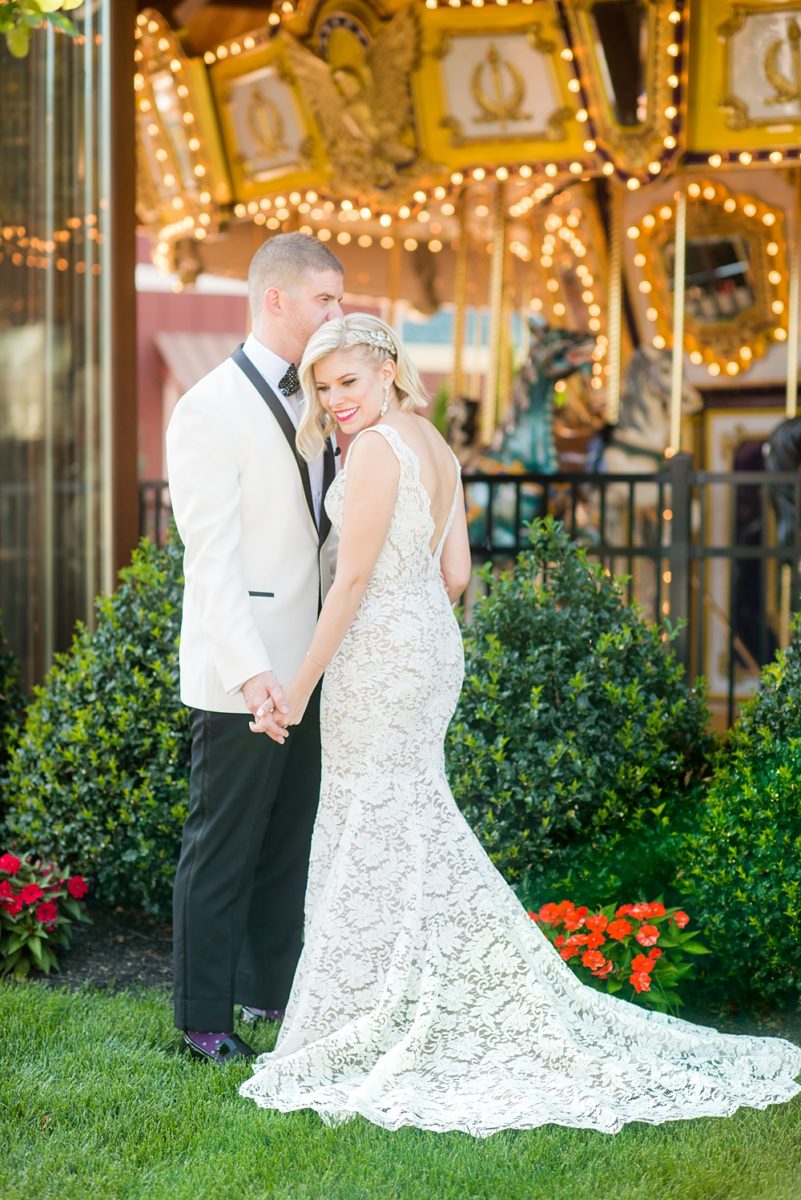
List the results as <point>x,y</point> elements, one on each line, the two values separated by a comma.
<point>37,903</point>
<point>644,948</point>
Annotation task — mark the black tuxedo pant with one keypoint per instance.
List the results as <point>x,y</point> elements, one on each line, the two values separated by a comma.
<point>241,877</point>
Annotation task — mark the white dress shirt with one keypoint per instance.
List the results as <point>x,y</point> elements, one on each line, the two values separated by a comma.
<point>273,369</point>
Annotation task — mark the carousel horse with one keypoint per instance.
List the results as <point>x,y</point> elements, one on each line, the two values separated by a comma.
<point>783,453</point>
<point>525,443</point>
<point>636,446</point>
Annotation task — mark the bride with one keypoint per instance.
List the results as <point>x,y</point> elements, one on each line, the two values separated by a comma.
<point>425,995</point>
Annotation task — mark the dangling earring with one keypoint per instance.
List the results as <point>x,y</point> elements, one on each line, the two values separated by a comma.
<point>382,412</point>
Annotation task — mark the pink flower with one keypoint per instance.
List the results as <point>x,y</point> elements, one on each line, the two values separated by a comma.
<point>681,919</point>
<point>9,863</point>
<point>642,964</point>
<point>640,981</point>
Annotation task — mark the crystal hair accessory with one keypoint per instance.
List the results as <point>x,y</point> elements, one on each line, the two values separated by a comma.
<point>381,341</point>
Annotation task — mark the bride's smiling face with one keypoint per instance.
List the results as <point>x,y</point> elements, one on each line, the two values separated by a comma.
<point>351,387</point>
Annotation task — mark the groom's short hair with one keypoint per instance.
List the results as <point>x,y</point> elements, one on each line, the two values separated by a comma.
<point>279,262</point>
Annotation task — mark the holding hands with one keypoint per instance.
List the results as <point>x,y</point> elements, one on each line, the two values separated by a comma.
<point>278,710</point>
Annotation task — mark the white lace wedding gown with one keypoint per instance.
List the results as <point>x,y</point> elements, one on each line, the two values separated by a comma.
<point>425,995</point>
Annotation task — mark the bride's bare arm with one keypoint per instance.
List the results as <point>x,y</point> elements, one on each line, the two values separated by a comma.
<point>370,492</point>
<point>455,559</point>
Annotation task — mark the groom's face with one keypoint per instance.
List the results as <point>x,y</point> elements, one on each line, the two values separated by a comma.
<point>314,299</point>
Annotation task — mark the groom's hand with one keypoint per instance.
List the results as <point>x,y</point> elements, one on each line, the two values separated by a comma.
<point>265,697</point>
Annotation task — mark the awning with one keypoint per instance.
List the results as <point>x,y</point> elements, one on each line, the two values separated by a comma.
<point>190,356</point>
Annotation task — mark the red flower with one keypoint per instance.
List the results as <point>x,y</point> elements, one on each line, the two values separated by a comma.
<point>597,923</point>
<point>642,964</point>
<point>6,889</point>
<point>30,893</point>
<point>47,912</point>
<point>575,918</point>
<point>533,915</point>
<point>640,911</point>
<point>595,940</point>
<point>559,941</point>
<point>77,887</point>
<point>646,935</point>
<point>655,952</point>
<point>681,919</point>
<point>13,905</point>
<point>640,981</point>
<point>593,959</point>
<point>550,914</point>
<point>9,863</point>
<point>619,929</point>
<point>569,951</point>
<point>624,910</point>
<point>657,909</point>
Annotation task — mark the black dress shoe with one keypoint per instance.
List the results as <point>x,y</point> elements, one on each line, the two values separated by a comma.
<point>229,1048</point>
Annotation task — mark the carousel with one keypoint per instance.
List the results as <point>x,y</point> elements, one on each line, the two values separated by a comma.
<point>598,202</point>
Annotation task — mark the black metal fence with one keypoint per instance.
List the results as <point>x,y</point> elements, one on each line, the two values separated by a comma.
<point>717,552</point>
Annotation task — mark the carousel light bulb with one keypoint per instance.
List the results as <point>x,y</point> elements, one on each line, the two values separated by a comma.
<point>749,208</point>
<point>385,220</point>
<point>249,42</point>
<point>658,342</point>
<point>696,357</point>
<point>576,168</point>
<point>594,324</point>
<point>582,115</point>
<point>525,171</point>
<point>410,244</point>
<point>709,192</point>
<point>573,86</point>
<point>671,112</point>
<point>387,243</point>
<point>673,81</point>
<point>274,19</point>
<point>654,167</point>
<point>209,57</point>
<point>732,368</point>
<point>589,145</point>
<point>745,158</point>
<point>632,184</point>
<point>780,334</point>
<point>164,44</point>
<point>240,210</point>
<point>365,240</point>
<point>566,55</point>
<point>169,181</point>
<point>775,156</point>
<point>559,309</point>
<point>502,173</point>
<point>633,232</point>
<point>435,245</point>
<point>343,237</point>
<point>479,173</point>
<point>669,142</point>
<point>769,219</point>
<point>729,204</point>
<point>775,277</point>
<point>608,168</point>
<point>645,286</point>
<point>713,368</point>
<point>778,307</point>
<point>404,212</point>
<point>551,169</point>
<point>674,17</point>
<point>457,177</point>
<point>447,210</point>
<point>651,314</point>
<point>715,160</point>
<point>674,50</point>
<point>772,248</point>
<point>746,353</point>
<point>420,197</point>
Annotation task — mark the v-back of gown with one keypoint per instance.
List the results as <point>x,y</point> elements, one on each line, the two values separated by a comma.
<point>425,995</point>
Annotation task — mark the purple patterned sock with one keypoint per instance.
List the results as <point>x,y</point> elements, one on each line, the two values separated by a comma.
<point>206,1041</point>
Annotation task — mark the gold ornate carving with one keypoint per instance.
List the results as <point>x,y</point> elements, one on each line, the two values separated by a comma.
<point>266,123</point>
<point>364,111</point>
<point>501,101</point>
<point>784,89</point>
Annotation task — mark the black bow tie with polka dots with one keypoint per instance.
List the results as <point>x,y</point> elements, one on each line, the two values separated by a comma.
<point>290,383</point>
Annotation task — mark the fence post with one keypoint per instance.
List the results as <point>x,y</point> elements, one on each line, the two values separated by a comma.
<point>679,550</point>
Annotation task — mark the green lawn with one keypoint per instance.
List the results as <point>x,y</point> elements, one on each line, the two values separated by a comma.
<point>95,1102</point>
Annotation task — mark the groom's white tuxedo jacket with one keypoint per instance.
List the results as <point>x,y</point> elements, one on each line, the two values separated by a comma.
<point>255,569</point>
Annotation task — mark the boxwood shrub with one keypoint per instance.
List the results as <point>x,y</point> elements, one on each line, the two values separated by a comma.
<point>98,780</point>
<point>743,867</point>
<point>577,745</point>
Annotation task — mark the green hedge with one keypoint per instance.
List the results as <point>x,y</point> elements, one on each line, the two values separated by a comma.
<point>742,869</point>
<point>576,738</point>
<point>99,778</point>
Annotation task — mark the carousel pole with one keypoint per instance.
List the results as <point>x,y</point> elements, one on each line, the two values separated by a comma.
<point>615,306</point>
<point>488,413</point>
<point>791,390</point>
<point>460,303</point>
<point>393,281</point>
<point>676,379</point>
<point>793,315</point>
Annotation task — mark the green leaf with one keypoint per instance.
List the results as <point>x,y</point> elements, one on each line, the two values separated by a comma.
<point>18,40</point>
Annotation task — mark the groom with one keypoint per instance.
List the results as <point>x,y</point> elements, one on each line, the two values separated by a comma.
<point>257,562</point>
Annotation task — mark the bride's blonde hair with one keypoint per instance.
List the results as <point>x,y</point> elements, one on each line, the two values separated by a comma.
<point>377,341</point>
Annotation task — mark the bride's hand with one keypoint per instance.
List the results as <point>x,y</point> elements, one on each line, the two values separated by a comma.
<point>267,718</point>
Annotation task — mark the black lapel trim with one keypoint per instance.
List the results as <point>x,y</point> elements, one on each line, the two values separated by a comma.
<point>329,471</point>
<point>282,417</point>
